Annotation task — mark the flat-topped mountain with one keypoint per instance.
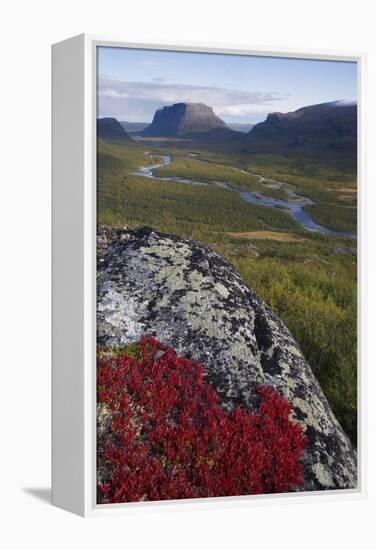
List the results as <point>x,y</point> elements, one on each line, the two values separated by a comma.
<point>330,125</point>
<point>325,129</point>
<point>110,129</point>
<point>183,118</point>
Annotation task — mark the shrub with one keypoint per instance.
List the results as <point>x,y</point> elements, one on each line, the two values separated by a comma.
<point>162,433</point>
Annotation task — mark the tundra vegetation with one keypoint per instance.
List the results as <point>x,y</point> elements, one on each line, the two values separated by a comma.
<point>309,279</point>
<point>167,437</point>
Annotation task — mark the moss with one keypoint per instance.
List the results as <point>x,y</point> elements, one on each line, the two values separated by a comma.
<point>133,350</point>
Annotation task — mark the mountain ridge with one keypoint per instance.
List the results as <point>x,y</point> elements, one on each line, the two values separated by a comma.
<point>323,128</point>
<point>323,125</point>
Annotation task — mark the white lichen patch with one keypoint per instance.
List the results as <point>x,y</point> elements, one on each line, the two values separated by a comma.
<point>196,280</point>
<point>305,407</point>
<point>166,249</point>
<point>286,383</point>
<point>323,475</point>
<point>121,314</point>
<point>294,351</point>
<point>171,276</point>
<point>222,290</point>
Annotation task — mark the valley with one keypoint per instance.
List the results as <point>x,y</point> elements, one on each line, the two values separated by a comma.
<point>287,223</point>
<point>259,190</point>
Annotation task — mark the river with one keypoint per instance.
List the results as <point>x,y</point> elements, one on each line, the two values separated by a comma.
<point>295,206</point>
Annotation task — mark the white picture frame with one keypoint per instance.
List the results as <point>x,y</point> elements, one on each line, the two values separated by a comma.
<point>74,275</point>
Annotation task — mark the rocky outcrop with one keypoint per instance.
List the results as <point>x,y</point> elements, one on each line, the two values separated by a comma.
<point>189,297</point>
<point>109,129</point>
<point>183,118</point>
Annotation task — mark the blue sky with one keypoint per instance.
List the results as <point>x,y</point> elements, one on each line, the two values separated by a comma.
<point>133,83</point>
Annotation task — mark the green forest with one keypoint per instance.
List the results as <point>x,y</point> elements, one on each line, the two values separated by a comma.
<point>308,278</point>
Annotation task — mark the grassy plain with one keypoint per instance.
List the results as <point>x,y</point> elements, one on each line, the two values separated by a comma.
<point>309,279</point>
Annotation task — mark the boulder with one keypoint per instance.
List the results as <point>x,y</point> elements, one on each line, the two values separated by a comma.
<point>192,299</point>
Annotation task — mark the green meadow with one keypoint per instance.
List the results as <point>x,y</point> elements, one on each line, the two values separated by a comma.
<point>308,279</point>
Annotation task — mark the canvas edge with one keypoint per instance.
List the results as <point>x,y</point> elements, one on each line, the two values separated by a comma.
<point>68,407</point>
<point>90,508</point>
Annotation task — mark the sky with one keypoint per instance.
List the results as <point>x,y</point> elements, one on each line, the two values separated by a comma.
<point>133,83</point>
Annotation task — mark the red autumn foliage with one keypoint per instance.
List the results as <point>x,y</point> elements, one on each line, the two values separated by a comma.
<point>167,437</point>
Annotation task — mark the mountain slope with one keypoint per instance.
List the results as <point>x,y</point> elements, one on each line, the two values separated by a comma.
<point>133,127</point>
<point>330,125</point>
<point>109,129</point>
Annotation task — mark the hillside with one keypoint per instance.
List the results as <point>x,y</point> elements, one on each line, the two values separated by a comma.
<point>109,129</point>
<point>327,126</point>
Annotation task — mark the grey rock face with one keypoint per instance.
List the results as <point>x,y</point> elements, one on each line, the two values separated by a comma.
<point>183,118</point>
<point>191,298</point>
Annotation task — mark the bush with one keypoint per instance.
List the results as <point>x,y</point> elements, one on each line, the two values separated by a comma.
<point>162,433</point>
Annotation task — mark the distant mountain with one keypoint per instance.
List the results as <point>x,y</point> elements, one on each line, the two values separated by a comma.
<point>133,127</point>
<point>110,129</point>
<point>240,127</point>
<point>327,127</point>
<point>330,125</point>
<point>183,119</point>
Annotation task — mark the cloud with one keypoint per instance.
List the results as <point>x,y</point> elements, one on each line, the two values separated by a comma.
<point>241,110</point>
<point>345,102</point>
<point>110,92</point>
<point>139,100</point>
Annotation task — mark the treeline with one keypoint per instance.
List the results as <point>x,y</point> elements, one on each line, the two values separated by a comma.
<point>167,205</point>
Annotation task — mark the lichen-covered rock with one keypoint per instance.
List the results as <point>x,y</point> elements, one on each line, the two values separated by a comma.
<point>189,297</point>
